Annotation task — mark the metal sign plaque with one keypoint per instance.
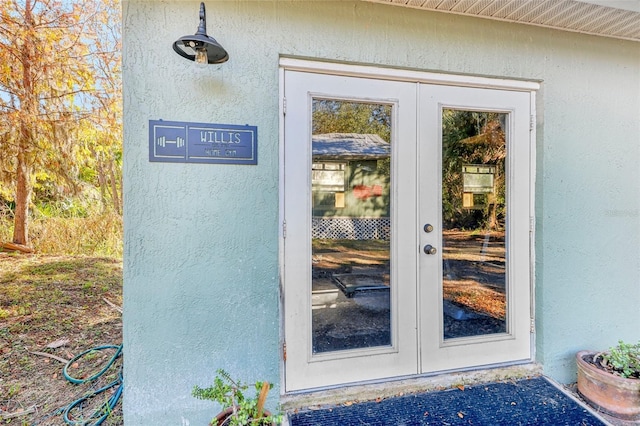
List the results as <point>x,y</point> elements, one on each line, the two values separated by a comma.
<point>478,178</point>
<point>183,142</point>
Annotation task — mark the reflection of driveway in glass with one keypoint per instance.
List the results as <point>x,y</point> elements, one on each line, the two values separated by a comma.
<point>341,322</point>
<point>351,298</point>
<point>488,274</point>
<point>474,279</point>
<point>350,294</point>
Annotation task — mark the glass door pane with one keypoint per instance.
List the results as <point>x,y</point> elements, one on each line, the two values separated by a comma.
<point>351,205</point>
<point>474,212</point>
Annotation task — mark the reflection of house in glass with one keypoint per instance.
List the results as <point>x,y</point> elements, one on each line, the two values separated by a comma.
<point>350,186</point>
<point>350,229</point>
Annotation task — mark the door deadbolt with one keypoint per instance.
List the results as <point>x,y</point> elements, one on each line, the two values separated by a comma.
<point>429,249</point>
<point>428,227</point>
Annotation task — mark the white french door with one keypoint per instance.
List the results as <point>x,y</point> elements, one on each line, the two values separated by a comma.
<point>333,335</point>
<point>474,174</point>
<point>405,243</point>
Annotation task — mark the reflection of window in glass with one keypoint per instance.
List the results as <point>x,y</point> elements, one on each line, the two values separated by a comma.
<point>478,185</point>
<point>328,177</point>
<point>328,184</point>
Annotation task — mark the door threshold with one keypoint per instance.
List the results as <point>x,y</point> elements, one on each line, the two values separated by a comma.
<point>369,391</point>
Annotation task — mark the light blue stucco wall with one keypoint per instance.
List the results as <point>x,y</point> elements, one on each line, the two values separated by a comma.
<point>201,241</point>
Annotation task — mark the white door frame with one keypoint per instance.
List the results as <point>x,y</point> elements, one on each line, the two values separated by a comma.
<point>393,74</point>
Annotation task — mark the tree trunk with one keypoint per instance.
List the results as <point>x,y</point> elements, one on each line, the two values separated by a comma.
<point>117,203</point>
<point>22,198</point>
<point>23,167</point>
<point>102,180</point>
<point>493,216</point>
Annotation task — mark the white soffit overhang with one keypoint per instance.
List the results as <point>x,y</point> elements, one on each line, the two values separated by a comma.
<point>615,18</point>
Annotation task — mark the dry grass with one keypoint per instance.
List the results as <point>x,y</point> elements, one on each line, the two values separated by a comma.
<point>98,235</point>
<point>44,299</point>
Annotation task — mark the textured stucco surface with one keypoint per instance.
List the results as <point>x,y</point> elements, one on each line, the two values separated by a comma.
<point>201,241</point>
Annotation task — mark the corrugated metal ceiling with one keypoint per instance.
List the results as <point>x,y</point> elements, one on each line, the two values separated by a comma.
<point>569,15</point>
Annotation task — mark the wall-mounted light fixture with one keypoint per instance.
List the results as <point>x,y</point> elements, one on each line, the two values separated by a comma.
<point>200,47</point>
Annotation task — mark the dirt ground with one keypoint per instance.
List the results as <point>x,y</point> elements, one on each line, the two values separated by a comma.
<point>53,308</point>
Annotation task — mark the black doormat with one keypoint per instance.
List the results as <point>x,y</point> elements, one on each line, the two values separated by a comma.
<point>523,402</point>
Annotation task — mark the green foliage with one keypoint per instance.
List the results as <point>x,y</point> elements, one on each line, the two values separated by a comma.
<point>624,359</point>
<point>63,208</point>
<point>14,389</point>
<point>231,393</point>
<point>330,116</point>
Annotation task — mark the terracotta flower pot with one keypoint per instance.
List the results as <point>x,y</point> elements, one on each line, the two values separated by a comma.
<point>223,416</point>
<point>611,394</point>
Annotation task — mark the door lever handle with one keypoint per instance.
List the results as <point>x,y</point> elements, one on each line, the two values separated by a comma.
<point>429,249</point>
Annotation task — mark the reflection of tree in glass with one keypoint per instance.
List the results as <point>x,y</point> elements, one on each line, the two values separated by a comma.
<point>334,116</point>
<point>472,138</point>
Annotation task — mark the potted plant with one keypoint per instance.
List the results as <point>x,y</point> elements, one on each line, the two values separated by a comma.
<point>610,381</point>
<point>238,409</point>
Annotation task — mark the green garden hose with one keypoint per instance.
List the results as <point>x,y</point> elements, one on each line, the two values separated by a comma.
<point>101,414</point>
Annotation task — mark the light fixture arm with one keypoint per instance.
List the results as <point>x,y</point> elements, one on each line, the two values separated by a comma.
<point>202,28</point>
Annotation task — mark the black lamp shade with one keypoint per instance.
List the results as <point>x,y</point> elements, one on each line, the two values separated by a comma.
<point>189,45</point>
<point>186,47</point>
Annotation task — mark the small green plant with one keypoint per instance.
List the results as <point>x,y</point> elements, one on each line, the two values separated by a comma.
<point>230,394</point>
<point>623,360</point>
<point>13,390</point>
